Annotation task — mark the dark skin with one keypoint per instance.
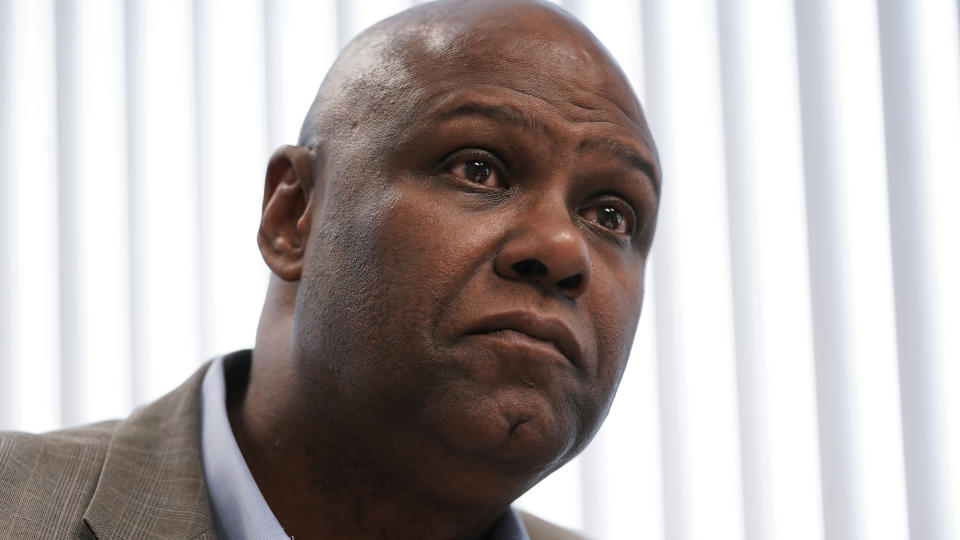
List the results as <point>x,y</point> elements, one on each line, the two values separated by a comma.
<point>458,249</point>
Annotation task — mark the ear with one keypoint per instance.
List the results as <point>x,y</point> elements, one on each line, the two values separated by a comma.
<point>285,221</point>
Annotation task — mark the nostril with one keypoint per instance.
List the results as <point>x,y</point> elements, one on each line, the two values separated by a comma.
<point>530,267</point>
<point>570,283</point>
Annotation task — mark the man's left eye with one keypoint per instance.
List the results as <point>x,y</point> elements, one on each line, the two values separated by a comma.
<point>476,171</point>
<point>610,216</point>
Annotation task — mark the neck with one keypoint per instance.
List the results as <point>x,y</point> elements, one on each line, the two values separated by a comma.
<point>317,478</point>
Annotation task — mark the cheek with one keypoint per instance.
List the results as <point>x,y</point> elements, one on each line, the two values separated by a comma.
<point>431,250</point>
<point>615,322</point>
<point>616,302</point>
<point>395,266</point>
<point>340,298</point>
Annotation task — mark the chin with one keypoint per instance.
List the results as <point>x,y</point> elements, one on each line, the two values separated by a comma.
<point>518,430</point>
<point>535,446</point>
<point>497,461</point>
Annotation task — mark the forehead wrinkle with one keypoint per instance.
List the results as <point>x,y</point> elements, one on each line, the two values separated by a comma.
<point>502,114</point>
<point>625,154</point>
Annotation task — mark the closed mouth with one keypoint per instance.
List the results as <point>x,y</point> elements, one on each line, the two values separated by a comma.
<point>532,329</point>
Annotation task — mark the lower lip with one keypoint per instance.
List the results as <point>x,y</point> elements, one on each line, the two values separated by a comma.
<point>525,342</point>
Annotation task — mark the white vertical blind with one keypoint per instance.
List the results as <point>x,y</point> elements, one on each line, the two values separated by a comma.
<point>851,279</point>
<point>8,367</point>
<point>231,100</point>
<point>163,206</point>
<point>796,371</point>
<point>921,86</point>
<point>771,295</point>
<point>694,317</point>
<point>93,265</point>
<point>30,256</point>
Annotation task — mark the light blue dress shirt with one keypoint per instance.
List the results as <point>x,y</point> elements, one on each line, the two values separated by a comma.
<point>238,508</point>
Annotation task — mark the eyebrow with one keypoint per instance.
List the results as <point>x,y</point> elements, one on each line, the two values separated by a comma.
<point>502,114</point>
<point>625,154</point>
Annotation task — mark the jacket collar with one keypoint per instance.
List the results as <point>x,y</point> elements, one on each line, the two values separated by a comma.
<point>152,481</point>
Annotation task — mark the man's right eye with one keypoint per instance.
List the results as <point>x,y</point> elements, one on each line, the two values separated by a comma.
<point>480,172</point>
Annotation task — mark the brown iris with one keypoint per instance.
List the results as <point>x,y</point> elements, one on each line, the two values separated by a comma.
<point>476,171</point>
<point>609,217</point>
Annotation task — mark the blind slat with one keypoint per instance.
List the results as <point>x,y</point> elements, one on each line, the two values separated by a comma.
<point>232,153</point>
<point>858,401</point>
<point>699,437</point>
<point>777,406</point>
<point>919,48</point>
<point>162,196</point>
<point>94,266</point>
<point>32,236</point>
<point>9,399</point>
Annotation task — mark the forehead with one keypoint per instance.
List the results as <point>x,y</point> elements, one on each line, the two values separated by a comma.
<point>397,76</point>
<point>528,47</point>
<point>530,79</point>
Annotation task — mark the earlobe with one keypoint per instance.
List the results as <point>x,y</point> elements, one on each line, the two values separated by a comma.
<point>286,209</point>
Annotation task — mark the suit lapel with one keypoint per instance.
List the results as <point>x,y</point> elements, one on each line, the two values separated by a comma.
<point>152,482</point>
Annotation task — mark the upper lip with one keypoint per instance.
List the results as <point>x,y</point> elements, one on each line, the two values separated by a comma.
<point>541,327</point>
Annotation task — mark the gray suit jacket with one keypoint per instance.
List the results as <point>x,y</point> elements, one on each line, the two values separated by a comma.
<point>137,478</point>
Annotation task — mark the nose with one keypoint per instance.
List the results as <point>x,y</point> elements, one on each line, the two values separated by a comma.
<point>549,251</point>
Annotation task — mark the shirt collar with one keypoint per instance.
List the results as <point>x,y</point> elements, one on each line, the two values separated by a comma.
<point>238,508</point>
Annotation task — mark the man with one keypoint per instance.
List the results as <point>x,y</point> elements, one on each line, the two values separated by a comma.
<point>458,248</point>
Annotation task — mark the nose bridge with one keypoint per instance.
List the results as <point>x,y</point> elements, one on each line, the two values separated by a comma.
<point>550,219</point>
<point>546,247</point>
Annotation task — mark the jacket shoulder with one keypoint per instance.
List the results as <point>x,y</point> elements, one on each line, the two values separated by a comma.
<point>47,480</point>
<point>541,529</point>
